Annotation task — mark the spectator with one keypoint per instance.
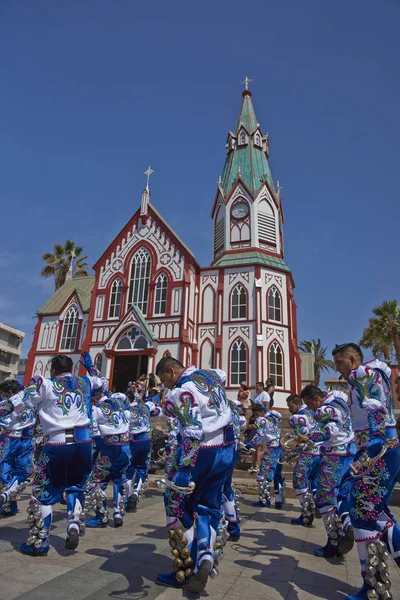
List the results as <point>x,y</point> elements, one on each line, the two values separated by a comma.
<point>243,397</point>
<point>270,389</point>
<point>261,396</point>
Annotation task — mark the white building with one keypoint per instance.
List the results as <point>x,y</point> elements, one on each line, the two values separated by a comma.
<point>10,351</point>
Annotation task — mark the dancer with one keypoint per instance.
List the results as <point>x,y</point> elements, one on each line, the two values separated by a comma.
<point>335,434</point>
<point>16,461</point>
<point>111,417</point>
<point>139,436</point>
<point>205,455</point>
<point>64,407</point>
<point>376,468</point>
<point>230,503</point>
<point>306,469</point>
<point>268,430</point>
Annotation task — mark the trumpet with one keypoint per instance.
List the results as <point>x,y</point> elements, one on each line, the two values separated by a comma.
<point>162,484</point>
<point>364,465</point>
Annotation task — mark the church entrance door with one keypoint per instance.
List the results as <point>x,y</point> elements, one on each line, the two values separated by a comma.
<point>128,367</point>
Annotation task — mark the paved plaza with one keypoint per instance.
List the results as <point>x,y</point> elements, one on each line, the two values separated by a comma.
<point>272,561</point>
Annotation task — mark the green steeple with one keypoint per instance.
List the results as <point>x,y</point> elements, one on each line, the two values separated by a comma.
<point>246,158</point>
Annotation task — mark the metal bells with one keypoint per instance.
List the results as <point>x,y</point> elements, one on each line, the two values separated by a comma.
<point>377,572</point>
<point>37,533</point>
<point>183,563</point>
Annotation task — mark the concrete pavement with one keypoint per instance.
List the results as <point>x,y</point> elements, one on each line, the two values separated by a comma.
<point>272,561</point>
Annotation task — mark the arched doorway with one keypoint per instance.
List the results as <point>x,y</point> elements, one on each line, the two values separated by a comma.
<point>131,359</point>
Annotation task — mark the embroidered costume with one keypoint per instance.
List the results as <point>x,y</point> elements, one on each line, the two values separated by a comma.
<point>376,470</point>
<point>204,455</point>
<point>268,430</point>
<point>139,439</point>
<point>335,435</point>
<point>64,408</point>
<point>111,417</point>
<point>230,503</point>
<point>306,469</point>
<point>17,450</point>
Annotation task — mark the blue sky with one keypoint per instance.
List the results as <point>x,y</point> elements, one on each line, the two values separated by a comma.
<point>93,91</point>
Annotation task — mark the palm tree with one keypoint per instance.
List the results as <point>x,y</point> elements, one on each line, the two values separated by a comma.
<point>320,362</point>
<point>384,328</point>
<point>377,340</point>
<point>65,260</point>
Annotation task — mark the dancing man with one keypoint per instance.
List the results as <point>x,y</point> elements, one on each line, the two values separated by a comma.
<point>268,430</point>
<point>376,468</point>
<point>140,446</point>
<point>64,406</point>
<point>335,434</point>
<point>111,417</point>
<point>205,454</point>
<point>16,463</point>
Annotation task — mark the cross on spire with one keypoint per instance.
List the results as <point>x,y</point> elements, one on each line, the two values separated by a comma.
<point>148,172</point>
<point>246,82</point>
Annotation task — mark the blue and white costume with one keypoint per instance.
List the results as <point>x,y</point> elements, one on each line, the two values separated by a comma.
<point>335,435</point>
<point>139,439</point>
<point>64,407</point>
<point>111,417</point>
<point>306,469</point>
<point>268,430</point>
<point>204,455</point>
<point>16,461</point>
<point>230,504</point>
<point>372,483</point>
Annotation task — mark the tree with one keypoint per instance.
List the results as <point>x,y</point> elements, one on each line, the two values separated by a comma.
<point>320,362</point>
<point>64,260</point>
<point>383,332</point>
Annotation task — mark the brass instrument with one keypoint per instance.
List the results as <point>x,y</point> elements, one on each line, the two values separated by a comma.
<point>291,452</point>
<point>364,465</point>
<point>162,484</point>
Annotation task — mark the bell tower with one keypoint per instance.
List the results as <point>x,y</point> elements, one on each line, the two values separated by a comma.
<point>247,212</point>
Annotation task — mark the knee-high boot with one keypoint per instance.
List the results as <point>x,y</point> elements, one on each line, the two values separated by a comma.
<point>76,523</point>
<point>97,499</point>
<point>119,500</point>
<point>183,549</point>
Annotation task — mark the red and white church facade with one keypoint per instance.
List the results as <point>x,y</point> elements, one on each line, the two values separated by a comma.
<point>150,298</point>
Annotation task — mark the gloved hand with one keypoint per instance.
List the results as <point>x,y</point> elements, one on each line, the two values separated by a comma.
<point>87,362</point>
<point>182,478</point>
<point>374,447</point>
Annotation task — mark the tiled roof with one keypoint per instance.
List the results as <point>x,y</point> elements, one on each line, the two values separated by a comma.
<point>251,258</point>
<point>81,285</point>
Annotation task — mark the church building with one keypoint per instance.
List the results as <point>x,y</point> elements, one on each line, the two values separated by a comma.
<point>150,298</point>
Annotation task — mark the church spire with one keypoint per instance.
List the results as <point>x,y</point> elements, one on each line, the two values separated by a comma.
<point>146,194</point>
<point>247,150</point>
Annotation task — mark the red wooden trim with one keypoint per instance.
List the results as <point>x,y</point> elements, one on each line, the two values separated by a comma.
<point>31,354</point>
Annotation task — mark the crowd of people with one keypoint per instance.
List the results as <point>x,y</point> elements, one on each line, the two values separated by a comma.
<point>345,452</point>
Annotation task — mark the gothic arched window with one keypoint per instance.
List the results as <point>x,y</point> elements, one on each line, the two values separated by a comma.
<point>239,302</point>
<point>139,280</point>
<point>115,300</point>
<point>274,305</point>
<point>160,303</point>
<point>70,329</point>
<point>98,361</point>
<point>258,139</point>
<point>276,364</point>
<point>243,138</point>
<point>238,362</point>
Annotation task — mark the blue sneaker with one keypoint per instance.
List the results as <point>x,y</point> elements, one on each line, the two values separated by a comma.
<point>9,510</point>
<point>361,594</point>
<point>327,551</point>
<point>169,580</point>
<point>32,551</point>
<point>266,505</point>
